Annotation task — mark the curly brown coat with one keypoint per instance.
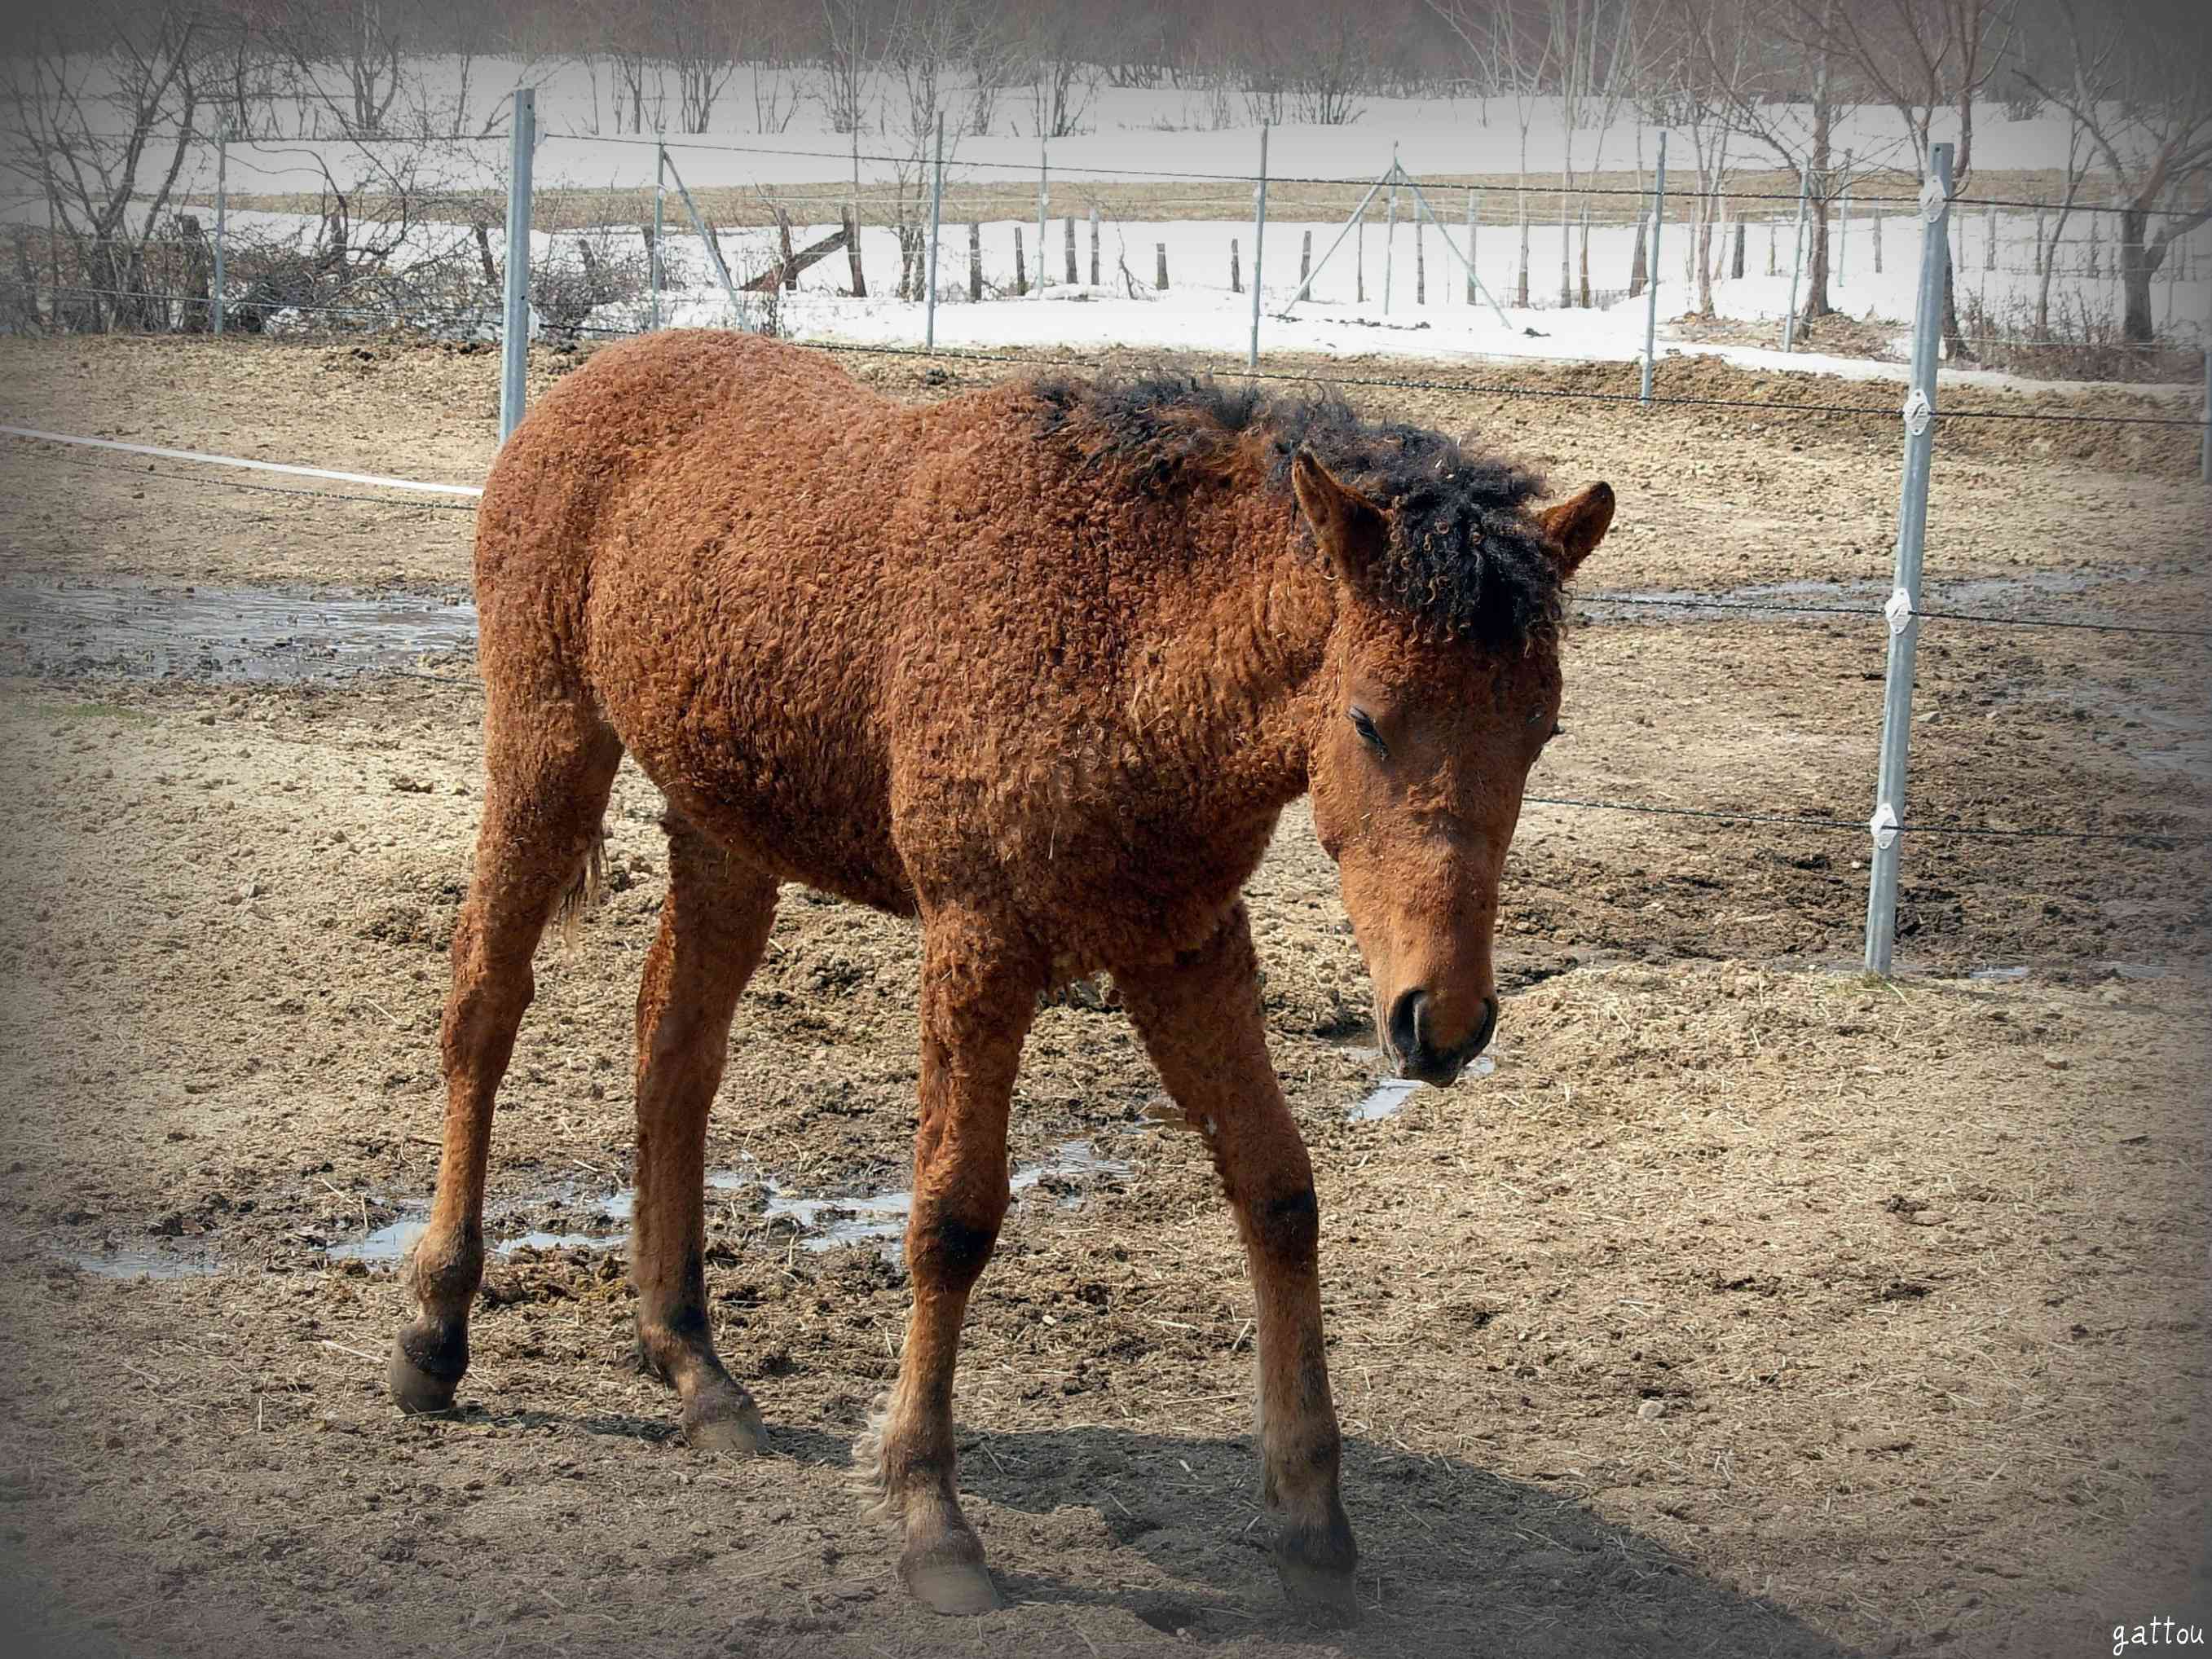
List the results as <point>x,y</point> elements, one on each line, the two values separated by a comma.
<point>1040,664</point>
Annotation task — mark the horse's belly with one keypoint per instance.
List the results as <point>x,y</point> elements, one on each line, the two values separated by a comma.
<point>767,745</point>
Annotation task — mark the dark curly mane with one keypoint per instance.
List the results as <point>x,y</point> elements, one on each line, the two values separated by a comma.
<point>1464,559</point>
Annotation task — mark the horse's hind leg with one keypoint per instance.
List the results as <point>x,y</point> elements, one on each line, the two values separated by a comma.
<point>713,927</point>
<point>1199,1017</point>
<point>549,763</point>
<point>978,995</point>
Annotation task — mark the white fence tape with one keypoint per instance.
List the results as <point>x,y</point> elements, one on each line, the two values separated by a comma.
<point>235,460</point>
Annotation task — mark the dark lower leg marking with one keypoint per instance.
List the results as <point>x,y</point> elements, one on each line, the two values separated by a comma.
<point>1200,1020</point>
<point>550,768</point>
<point>979,994</point>
<point>713,927</point>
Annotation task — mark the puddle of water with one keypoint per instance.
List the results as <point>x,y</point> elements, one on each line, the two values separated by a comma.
<point>387,1243</point>
<point>141,1264</point>
<point>825,1224</point>
<point>879,1219</point>
<point>1388,1098</point>
<point>1383,1100</point>
<point>140,631</point>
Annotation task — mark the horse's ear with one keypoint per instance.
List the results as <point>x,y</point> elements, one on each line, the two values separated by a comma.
<point>1578,524</point>
<point>1350,528</point>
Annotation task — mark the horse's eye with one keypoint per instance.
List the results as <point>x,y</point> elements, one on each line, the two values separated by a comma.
<point>1368,734</point>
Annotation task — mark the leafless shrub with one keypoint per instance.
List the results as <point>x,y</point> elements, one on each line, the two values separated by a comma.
<point>593,268</point>
<point>2085,342</point>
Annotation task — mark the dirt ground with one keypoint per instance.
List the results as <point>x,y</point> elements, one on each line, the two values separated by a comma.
<point>1747,1307</point>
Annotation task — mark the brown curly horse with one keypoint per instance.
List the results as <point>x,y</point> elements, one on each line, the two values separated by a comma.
<point>1041,666</point>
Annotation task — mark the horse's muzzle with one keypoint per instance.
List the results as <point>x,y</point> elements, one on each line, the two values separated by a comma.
<point>1408,1035</point>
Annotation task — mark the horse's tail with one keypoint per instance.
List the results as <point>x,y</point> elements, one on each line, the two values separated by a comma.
<point>583,892</point>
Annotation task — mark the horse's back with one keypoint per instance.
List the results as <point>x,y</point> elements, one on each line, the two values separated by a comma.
<point>681,535</point>
<point>620,427</point>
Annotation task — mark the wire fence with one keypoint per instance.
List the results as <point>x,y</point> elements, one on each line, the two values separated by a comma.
<point>1901,616</point>
<point>1600,230</point>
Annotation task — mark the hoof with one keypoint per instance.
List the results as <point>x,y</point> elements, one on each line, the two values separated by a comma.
<point>724,1422</point>
<point>952,1588</point>
<point>1329,1600</point>
<point>416,1391</point>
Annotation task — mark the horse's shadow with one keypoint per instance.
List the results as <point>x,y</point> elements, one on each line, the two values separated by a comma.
<point>1453,1558</point>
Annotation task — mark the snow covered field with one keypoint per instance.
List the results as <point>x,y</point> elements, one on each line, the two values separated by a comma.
<point>1137,135</point>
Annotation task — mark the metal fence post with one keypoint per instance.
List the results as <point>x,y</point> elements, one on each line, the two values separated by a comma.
<point>1390,232</point>
<point>1796,262</point>
<point>515,354</point>
<point>1651,279</point>
<point>936,205</point>
<point>659,219</point>
<point>1912,537</point>
<point>221,215</point>
<point>700,228</point>
<point>1044,201</point>
<point>1259,234</point>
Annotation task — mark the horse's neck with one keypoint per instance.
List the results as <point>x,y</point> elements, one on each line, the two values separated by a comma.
<point>1233,666</point>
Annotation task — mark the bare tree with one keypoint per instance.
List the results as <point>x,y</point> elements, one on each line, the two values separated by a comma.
<point>629,41</point>
<point>1330,57</point>
<point>348,57</point>
<point>2046,254</point>
<point>1759,73</point>
<point>93,124</point>
<point>852,36</point>
<point>703,44</point>
<point>1713,71</point>
<point>1920,57</point>
<point>1512,59</point>
<point>1063,78</point>
<point>925,43</point>
<point>2139,93</point>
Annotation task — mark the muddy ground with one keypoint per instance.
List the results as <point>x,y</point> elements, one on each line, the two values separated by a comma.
<point>1745,1307</point>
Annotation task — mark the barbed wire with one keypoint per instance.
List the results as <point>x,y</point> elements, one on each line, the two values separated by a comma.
<point>2163,841</point>
<point>1105,174</point>
<point>394,319</point>
<point>1668,602</point>
<point>1477,389</point>
<point>489,315</point>
<point>1693,602</point>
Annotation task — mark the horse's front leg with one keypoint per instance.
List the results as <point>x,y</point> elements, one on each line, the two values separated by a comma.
<point>978,995</point>
<point>1199,1019</point>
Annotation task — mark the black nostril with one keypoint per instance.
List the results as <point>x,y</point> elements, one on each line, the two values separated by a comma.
<point>1480,1038</point>
<point>1405,1023</point>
